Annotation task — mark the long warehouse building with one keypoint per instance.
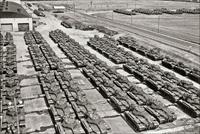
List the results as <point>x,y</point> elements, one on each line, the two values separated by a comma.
<point>13,17</point>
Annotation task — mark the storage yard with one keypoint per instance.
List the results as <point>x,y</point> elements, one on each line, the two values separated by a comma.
<point>86,71</point>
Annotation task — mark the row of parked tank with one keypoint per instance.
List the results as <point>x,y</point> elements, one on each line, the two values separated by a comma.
<point>86,27</point>
<point>77,25</point>
<point>122,11</point>
<point>157,79</point>
<point>42,54</point>
<point>137,107</point>
<point>109,49</point>
<point>7,58</point>
<point>12,118</point>
<point>70,110</point>
<point>38,13</point>
<point>7,39</point>
<point>192,73</point>
<point>157,11</point>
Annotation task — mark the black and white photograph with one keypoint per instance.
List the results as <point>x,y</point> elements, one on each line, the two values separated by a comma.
<point>99,66</point>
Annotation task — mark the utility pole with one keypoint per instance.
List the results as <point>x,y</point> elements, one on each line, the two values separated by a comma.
<point>74,6</point>
<point>159,19</point>
<point>135,4</point>
<point>131,19</point>
<point>84,18</point>
<point>158,23</point>
<point>107,4</point>
<point>132,4</point>
<point>184,17</point>
<point>112,15</point>
<point>96,19</point>
<point>91,3</point>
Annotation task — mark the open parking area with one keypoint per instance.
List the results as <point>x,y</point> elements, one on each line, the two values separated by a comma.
<point>83,71</point>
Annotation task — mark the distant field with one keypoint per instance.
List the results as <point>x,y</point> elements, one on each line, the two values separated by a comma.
<point>179,26</point>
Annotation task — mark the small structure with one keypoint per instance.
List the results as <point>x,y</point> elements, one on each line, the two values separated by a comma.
<point>35,19</point>
<point>13,17</point>
<point>58,9</point>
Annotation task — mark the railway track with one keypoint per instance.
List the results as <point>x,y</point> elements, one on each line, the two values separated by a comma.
<point>190,47</point>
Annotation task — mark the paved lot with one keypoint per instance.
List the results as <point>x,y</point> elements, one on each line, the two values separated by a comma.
<point>106,110</point>
<point>37,117</point>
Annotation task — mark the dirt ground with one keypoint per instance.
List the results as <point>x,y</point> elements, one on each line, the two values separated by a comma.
<point>179,26</point>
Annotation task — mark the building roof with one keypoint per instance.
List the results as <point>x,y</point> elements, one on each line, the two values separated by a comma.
<point>12,10</point>
<point>58,7</point>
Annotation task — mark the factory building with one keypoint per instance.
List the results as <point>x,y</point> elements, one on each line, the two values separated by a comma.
<point>13,17</point>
